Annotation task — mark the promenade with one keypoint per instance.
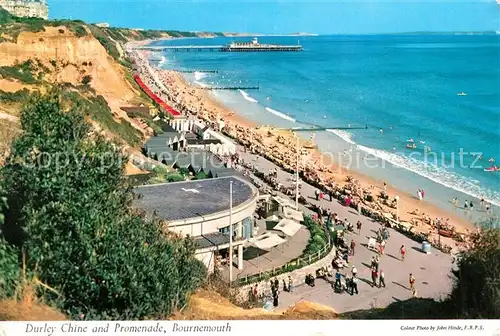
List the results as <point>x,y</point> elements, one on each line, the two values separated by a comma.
<point>432,272</point>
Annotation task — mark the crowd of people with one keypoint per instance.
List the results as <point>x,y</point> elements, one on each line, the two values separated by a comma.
<point>277,145</point>
<point>281,148</point>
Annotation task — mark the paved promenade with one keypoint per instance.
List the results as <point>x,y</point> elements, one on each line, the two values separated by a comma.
<point>432,271</point>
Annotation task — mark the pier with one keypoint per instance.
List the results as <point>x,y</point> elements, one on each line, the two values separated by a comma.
<point>253,46</point>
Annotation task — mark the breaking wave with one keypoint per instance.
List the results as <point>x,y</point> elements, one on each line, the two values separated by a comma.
<point>247,97</point>
<point>344,135</point>
<point>436,174</point>
<point>280,114</point>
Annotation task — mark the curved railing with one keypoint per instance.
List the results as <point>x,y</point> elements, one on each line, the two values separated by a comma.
<point>290,266</point>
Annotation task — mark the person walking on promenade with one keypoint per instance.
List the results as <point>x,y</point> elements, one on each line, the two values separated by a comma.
<point>402,251</point>
<point>275,298</point>
<point>374,277</point>
<point>382,247</point>
<point>277,285</point>
<point>354,271</point>
<point>256,293</point>
<point>411,280</point>
<point>354,285</point>
<point>353,245</point>
<point>290,284</point>
<point>381,279</point>
<point>338,283</point>
<point>358,226</point>
<point>316,193</point>
<point>330,193</point>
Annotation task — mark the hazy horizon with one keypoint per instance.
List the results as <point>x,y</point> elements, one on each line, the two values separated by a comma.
<point>288,17</point>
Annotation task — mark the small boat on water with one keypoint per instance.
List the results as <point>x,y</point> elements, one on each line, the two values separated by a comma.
<point>492,169</point>
<point>461,94</point>
<point>411,146</point>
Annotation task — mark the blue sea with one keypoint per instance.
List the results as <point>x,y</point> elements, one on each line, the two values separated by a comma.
<point>402,87</point>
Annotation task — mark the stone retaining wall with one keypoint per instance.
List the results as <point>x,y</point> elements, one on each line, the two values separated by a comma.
<point>298,277</point>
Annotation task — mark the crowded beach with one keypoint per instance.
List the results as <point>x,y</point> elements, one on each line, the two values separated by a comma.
<point>316,168</point>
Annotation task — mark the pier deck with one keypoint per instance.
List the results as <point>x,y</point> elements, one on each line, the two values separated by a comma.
<point>223,48</point>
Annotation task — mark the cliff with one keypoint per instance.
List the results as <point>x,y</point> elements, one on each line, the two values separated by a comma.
<point>87,61</point>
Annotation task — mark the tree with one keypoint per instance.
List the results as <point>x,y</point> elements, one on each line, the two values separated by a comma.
<point>69,211</point>
<point>476,293</point>
<point>9,268</point>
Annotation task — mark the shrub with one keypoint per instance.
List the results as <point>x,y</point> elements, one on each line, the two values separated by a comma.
<point>105,41</point>
<point>14,97</point>
<point>21,71</point>
<point>9,266</point>
<point>184,171</point>
<point>97,108</point>
<point>86,79</point>
<point>175,178</point>
<point>201,175</point>
<point>81,237</point>
<point>476,293</point>
<point>79,31</point>
<point>318,238</point>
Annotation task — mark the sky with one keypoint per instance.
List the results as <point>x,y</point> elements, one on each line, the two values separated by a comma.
<point>286,16</point>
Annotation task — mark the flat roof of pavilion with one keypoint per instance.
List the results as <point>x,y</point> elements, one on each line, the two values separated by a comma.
<point>183,200</point>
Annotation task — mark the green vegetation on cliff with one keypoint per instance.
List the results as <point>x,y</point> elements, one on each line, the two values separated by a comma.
<point>12,26</point>
<point>69,215</point>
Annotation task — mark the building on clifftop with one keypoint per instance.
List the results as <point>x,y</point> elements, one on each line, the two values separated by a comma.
<point>27,8</point>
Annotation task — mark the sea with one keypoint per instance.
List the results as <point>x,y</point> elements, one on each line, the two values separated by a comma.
<point>375,95</point>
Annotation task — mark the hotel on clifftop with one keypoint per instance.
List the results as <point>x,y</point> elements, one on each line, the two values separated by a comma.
<point>26,8</point>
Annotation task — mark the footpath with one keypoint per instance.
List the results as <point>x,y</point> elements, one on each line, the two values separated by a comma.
<point>431,271</point>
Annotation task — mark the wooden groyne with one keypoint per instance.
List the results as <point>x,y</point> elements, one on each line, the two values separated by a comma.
<point>229,87</point>
<point>199,71</point>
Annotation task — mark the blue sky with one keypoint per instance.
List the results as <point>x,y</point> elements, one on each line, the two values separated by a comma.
<point>286,16</point>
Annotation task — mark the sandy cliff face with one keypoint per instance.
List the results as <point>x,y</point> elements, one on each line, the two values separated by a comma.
<point>76,57</point>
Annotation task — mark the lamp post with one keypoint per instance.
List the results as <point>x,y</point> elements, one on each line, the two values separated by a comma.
<point>230,231</point>
<point>297,178</point>
<point>397,207</point>
<point>308,129</point>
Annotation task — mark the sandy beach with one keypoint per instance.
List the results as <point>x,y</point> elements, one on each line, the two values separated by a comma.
<point>280,145</point>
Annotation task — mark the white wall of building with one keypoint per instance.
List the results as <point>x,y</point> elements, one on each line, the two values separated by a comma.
<point>212,223</point>
<point>206,256</point>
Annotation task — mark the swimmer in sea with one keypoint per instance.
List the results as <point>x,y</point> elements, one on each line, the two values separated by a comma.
<point>381,131</point>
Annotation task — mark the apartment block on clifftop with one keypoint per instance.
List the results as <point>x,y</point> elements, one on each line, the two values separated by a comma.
<point>26,8</point>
